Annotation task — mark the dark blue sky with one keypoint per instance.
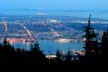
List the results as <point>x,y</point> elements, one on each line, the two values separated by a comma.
<point>55,4</point>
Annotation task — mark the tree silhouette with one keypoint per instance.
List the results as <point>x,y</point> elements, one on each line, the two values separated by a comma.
<point>91,43</point>
<point>8,54</point>
<point>69,57</point>
<point>58,56</point>
<point>37,55</point>
<point>104,47</point>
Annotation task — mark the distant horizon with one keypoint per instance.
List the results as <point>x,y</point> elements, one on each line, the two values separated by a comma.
<point>77,13</point>
<point>55,10</point>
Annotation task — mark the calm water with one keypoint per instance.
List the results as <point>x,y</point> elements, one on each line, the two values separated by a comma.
<point>50,46</point>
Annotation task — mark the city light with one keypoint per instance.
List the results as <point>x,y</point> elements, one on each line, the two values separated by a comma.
<point>63,40</point>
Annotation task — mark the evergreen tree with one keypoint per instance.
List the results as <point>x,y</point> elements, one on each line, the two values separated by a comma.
<point>37,55</point>
<point>5,42</point>
<point>69,57</point>
<point>58,56</point>
<point>91,43</point>
<point>104,47</point>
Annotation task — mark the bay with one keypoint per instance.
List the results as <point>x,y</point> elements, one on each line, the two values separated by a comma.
<point>51,46</point>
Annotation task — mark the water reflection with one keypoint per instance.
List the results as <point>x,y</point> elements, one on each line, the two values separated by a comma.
<point>48,46</point>
<point>64,40</point>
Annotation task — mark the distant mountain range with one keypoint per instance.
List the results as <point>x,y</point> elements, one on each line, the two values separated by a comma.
<point>79,13</point>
